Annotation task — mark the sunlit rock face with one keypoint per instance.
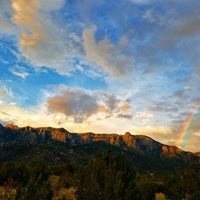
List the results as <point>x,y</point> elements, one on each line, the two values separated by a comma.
<point>197,154</point>
<point>12,126</point>
<point>129,140</point>
<point>171,150</point>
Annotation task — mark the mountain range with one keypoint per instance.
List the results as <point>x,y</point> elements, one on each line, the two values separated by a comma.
<point>142,150</point>
<point>31,135</point>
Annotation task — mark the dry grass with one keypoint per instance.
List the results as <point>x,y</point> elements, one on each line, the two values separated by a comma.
<point>160,196</point>
<point>59,191</point>
<point>7,193</point>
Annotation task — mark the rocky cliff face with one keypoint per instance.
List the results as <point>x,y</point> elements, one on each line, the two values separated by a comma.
<point>197,154</point>
<point>139,143</point>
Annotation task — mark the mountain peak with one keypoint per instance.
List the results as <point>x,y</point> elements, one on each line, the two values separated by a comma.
<point>127,134</point>
<point>197,154</point>
<point>12,126</point>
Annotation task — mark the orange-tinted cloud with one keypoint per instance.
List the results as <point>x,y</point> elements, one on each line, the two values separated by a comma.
<point>125,107</point>
<point>102,108</point>
<point>40,40</point>
<point>25,13</point>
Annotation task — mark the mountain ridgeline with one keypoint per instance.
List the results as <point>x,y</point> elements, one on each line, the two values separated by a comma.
<point>30,135</point>
<point>131,144</point>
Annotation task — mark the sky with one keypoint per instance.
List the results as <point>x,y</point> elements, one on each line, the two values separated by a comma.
<point>102,66</point>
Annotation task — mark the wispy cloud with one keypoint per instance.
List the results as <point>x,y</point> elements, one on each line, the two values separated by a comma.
<point>139,1</point>
<point>109,57</point>
<point>3,92</point>
<point>19,71</point>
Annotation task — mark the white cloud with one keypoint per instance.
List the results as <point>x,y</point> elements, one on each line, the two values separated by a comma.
<point>19,71</point>
<point>143,118</point>
<point>143,114</point>
<point>152,16</point>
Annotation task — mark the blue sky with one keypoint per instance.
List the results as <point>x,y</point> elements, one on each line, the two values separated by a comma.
<point>101,66</point>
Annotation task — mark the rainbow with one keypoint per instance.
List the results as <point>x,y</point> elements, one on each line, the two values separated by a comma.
<point>185,130</point>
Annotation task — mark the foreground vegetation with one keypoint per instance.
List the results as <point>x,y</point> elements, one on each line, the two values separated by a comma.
<point>38,172</point>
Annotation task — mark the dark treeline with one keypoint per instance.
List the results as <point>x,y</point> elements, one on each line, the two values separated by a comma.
<point>107,176</point>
